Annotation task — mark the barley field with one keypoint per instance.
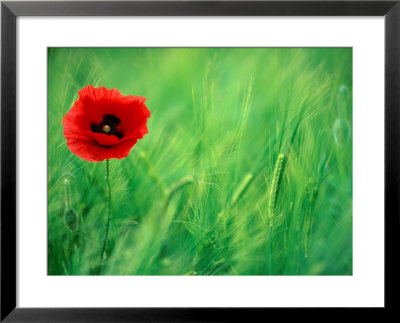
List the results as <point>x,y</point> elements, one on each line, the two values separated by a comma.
<point>246,169</point>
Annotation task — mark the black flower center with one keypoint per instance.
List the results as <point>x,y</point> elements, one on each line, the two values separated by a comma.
<point>108,126</point>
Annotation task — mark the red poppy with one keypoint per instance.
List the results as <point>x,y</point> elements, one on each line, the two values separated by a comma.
<point>104,124</point>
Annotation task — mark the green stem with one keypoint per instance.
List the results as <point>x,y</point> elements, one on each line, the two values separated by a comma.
<point>67,193</point>
<point>105,241</point>
<point>270,251</point>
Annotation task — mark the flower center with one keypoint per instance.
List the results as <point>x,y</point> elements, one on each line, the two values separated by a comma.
<point>108,126</point>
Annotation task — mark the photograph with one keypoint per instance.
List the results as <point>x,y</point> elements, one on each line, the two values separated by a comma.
<point>231,161</point>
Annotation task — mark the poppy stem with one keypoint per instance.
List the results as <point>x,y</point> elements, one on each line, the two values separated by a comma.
<point>105,241</point>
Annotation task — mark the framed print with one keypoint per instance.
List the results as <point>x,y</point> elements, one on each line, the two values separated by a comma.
<point>194,160</point>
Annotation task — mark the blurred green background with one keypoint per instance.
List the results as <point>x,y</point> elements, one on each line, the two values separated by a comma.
<point>203,193</point>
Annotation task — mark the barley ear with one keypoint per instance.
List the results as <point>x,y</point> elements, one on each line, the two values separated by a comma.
<point>275,185</point>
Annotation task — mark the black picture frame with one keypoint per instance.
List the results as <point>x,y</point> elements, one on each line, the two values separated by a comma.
<point>10,10</point>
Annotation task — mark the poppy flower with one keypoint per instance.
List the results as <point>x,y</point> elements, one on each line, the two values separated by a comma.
<point>104,124</point>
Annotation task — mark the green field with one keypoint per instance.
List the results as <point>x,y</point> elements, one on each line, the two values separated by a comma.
<point>246,169</point>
